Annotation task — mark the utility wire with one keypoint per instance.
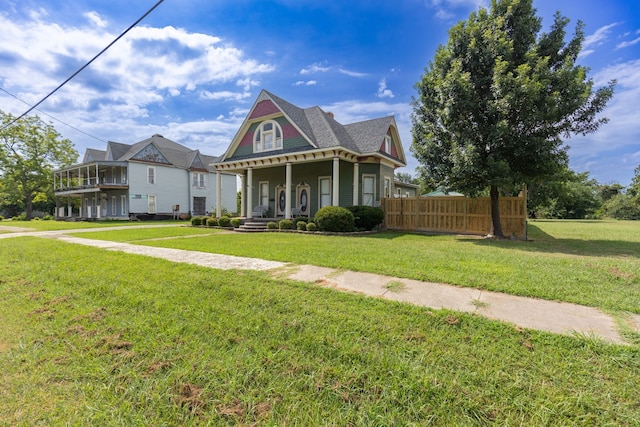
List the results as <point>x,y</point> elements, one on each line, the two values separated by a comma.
<point>84,66</point>
<point>54,118</point>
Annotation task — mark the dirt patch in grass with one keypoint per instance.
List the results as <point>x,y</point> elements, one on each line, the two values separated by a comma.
<point>189,397</point>
<point>94,316</point>
<point>156,367</point>
<point>80,330</point>
<point>619,273</point>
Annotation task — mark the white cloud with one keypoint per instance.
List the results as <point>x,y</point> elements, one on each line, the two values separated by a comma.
<point>352,73</point>
<point>628,43</point>
<point>585,53</point>
<point>95,19</point>
<point>247,84</point>
<point>600,36</point>
<point>305,83</point>
<point>314,68</point>
<point>134,73</point>
<point>224,95</point>
<point>610,145</point>
<point>383,91</point>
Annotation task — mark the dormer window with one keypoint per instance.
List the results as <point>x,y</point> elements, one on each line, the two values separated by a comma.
<point>267,137</point>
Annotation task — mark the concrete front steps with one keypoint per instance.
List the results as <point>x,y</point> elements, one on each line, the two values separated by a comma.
<point>254,225</point>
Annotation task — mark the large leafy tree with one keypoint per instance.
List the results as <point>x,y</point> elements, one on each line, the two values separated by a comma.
<point>496,100</point>
<point>29,152</point>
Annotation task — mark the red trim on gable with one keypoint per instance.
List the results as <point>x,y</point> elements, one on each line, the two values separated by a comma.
<point>264,108</point>
<point>394,152</point>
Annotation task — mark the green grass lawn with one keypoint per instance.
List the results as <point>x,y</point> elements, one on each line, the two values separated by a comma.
<point>593,263</point>
<point>40,225</point>
<point>94,337</point>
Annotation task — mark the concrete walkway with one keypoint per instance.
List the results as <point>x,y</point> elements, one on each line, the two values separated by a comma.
<point>557,317</point>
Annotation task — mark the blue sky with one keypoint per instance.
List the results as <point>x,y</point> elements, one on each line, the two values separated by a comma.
<point>192,69</point>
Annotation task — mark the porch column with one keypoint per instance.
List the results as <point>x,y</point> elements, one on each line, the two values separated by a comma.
<point>356,182</point>
<point>249,192</point>
<point>243,194</point>
<point>336,182</point>
<point>218,194</point>
<point>287,199</point>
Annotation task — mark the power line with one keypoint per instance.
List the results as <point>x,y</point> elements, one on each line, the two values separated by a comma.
<point>85,65</point>
<point>54,118</point>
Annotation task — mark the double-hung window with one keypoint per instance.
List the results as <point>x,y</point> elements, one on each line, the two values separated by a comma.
<point>199,180</point>
<point>368,190</point>
<point>151,175</point>
<point>324,182</point>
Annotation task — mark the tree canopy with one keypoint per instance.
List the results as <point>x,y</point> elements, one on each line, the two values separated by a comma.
<point>29,152</point>
<point>497,99</point>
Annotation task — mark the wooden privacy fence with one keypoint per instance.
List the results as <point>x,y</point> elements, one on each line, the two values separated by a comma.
<point>454,214</point>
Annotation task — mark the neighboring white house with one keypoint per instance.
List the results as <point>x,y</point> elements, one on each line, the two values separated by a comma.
<point>152,178</point>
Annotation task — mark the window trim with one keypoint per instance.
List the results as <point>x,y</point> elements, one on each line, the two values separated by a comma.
<point>198,180</point>
<point>151,176</point>
<point>387,189</point>
<point>373,199</point>
<point>320,179</point>
<point>262,196</point>
<point>387,144</point>
<point>123,205</point>
<point>259,144</point>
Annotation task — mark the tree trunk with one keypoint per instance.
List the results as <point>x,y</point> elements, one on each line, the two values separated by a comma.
<point>28,205</point>
<point>496,227</point>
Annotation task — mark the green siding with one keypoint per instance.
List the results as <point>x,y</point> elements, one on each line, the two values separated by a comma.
<point>310,172</point>
<point>385,172</point>
<point>346,184</point>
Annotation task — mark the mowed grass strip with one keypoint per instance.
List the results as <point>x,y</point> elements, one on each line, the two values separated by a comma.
<point>93,337</point>
<point>592,263</point>
<point>41,225</point>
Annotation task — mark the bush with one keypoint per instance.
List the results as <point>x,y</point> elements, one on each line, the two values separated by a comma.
<point>623,206</point>
<point>48,217</point>
<point>196,220</point>
<point>335,218</point>
<point>212,222</point>
<point>285,224</point>
<point>301,225</point>
<point>1,218</point>
<point>235,222</point>
<point>224,221</point>
<point>367,217</point>
<point>311,227</point>
<point>271,225</point>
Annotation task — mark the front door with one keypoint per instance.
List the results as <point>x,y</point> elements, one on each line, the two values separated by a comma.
<point>302,198</point>
<point>199,205</point>
<point>281,200</point>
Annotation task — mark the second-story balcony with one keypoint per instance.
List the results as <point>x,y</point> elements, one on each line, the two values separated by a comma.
<point>90,177</point>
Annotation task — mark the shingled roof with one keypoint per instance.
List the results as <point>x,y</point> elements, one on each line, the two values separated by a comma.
<point>175,154</point>
<point>321,130</point>
<point>325,132</point>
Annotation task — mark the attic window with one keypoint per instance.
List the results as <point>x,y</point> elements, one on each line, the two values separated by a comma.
<point>267,137</point>
<point>386,147</point>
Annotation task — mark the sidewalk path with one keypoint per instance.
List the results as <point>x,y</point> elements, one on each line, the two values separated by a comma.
<point>552,316</point>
